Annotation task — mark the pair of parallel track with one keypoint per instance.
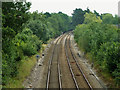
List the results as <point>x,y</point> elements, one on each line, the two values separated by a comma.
<point>56,45</point>
<point>67,46</point>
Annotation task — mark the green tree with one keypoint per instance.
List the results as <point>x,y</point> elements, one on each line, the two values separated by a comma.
<point>38,25</point>
<point>87,10</point>
<point>115,20</point>
<point>107,18</point>
<point>77,17</point>
<point>96,13</point>
<point>15,14</point>
<point>91,18</point>
<point>27,42</point>
<point>47,14</point>
<point>58,23</point>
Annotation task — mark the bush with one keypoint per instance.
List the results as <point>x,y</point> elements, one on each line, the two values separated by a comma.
<point>108,56</point>
<point>28,42</point>
<point>9,63</point>
<point>28,49</point>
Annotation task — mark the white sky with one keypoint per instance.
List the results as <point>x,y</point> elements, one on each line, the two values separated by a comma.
<point>67,6</point>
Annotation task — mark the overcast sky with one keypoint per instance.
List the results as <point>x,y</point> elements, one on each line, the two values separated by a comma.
<point>67,6</point>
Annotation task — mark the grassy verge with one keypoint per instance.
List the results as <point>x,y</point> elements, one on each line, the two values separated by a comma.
<point>24,69</point>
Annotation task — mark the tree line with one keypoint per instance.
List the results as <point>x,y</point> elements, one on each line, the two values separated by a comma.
<point>98,36</point>
<point>23,34</point>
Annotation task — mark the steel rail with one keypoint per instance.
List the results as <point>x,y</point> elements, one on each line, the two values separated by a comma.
<point>73,76</point>
<point>79,66</point>
<point>49,67</point>
<point>59,70</point>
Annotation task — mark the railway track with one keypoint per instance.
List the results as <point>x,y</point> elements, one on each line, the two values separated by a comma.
<point>78,76</point>
<point>61,68</point>
<point>54,72</point>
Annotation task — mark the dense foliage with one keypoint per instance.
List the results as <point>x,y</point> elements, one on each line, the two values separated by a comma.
<point>38,25</point>
<point>14,15</point>
<point>58,23</point>
<point>78,17</point>
<point>109,19</point>
<point>24,33</point>
<point>101,41</point>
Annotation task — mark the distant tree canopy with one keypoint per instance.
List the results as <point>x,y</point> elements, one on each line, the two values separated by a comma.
<point>91,18</point>
<point>59,22</point>
<point>77,17</point>
<point>46,25</point>
<point>107,18</point>
<point>47,14</point>
<point>37,24</point>
<point>87,10</point>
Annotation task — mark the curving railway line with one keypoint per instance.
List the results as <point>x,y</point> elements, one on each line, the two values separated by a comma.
<point>65,73</point>
<point>76,71</point>
<point>54,72</point>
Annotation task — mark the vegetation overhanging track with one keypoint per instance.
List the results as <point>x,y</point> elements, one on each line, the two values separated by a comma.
<point>58,65</point>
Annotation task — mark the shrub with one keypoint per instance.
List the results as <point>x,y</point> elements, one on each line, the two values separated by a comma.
<point>28,42</point>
